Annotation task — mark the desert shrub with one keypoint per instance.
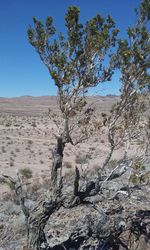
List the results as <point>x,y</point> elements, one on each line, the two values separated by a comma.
<point>26,172</point>
<point>3,149</point>
<point>34,188</point>
<point>112,163</point>
<point>92,148</point>
<point>10,143</point>
<point>88,156</point>
<point>68,164</point>
<point>33,124</point>
<point>11,163</point>
<point>17,150</point>
<point>140,142</point>
<point>145,178</point>
<point>8,124</point>
<point>30,142</point>
<point>102,141</point>
<point>134,179</point>
<point>138,165</point>
<point>11,185</point>
<point>81,159</point>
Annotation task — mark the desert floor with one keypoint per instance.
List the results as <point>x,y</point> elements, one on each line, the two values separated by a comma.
<point>27,139</point>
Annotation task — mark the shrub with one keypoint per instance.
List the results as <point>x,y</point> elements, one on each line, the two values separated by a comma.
<point>17,150</point>
<point>68,164</point>
<point>3,149</point>
<point>138,165</point>
<point>11,163</point>
<point>81,159</point>
<point>11,185</point>
<point>30,142</point>
<point>112,163</point>
<point>33,124</point>
<point>26,172</point>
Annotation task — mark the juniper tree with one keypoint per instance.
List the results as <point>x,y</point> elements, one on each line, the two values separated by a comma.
<point>132,58</point>
<point>76,62</point>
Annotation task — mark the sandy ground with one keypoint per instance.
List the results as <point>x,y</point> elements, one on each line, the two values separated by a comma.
<point>27,138</point>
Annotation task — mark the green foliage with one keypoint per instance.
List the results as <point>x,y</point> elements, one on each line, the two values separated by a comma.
<point>132,58</point>
<point>75,61</point>
<point>26,172</point>
<point>11,185</point>
<point>134,179</point>
<point>138,166</point>
<point>81,159</point>
<point>112,163</point>
<point>133,54</point>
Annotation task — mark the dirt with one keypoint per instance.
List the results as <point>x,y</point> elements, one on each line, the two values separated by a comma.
<point>27,139</point>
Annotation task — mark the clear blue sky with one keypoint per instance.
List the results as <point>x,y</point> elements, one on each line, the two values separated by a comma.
<point>21,71</point>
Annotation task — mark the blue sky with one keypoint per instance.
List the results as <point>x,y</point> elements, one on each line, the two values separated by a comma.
<point>21,71</point>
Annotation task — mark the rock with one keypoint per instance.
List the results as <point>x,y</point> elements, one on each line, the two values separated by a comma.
<point>3,217</point>
<point>30,203</point>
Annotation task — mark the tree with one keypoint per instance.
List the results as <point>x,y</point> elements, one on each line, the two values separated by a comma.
<point>123,124</point>
<point>132,58</point>
<point>75,63</point>
<point>128,120</point>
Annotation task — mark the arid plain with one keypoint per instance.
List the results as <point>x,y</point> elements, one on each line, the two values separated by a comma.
<point>27,137</point>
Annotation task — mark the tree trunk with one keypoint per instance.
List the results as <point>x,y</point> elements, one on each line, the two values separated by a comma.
<point>58,154</point>
<point>37,222</point>
<point>41,214</point>
<point>57,161</point>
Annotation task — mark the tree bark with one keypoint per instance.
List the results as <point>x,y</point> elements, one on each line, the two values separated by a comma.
<point>37,222</point>
<point>57,161</point>
<point>58,154</point>
<point>41,214</point>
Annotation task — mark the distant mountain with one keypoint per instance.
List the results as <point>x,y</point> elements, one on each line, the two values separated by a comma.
<point>29,105</point>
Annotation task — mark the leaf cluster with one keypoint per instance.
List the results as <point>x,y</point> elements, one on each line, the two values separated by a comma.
<point>133,53</point>
<point>75,61</point>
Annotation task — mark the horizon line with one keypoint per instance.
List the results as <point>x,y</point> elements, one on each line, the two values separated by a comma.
<point>21,96</point>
